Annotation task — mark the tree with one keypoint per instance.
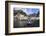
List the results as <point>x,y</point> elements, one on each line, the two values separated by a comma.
<point>19,11</point>
<point>38,14</point>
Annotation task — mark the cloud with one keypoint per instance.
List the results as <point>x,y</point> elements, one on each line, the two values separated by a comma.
<point>28,10</point>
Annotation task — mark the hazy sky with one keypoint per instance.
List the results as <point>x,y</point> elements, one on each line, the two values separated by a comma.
<point>28,10</point>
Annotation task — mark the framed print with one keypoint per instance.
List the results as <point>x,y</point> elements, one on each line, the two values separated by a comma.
<point>24,17</point>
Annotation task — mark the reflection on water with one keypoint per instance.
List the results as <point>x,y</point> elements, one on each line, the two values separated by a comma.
<point>25,23</point>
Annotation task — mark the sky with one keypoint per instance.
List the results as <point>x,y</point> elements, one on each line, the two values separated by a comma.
<point>29,10</point>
